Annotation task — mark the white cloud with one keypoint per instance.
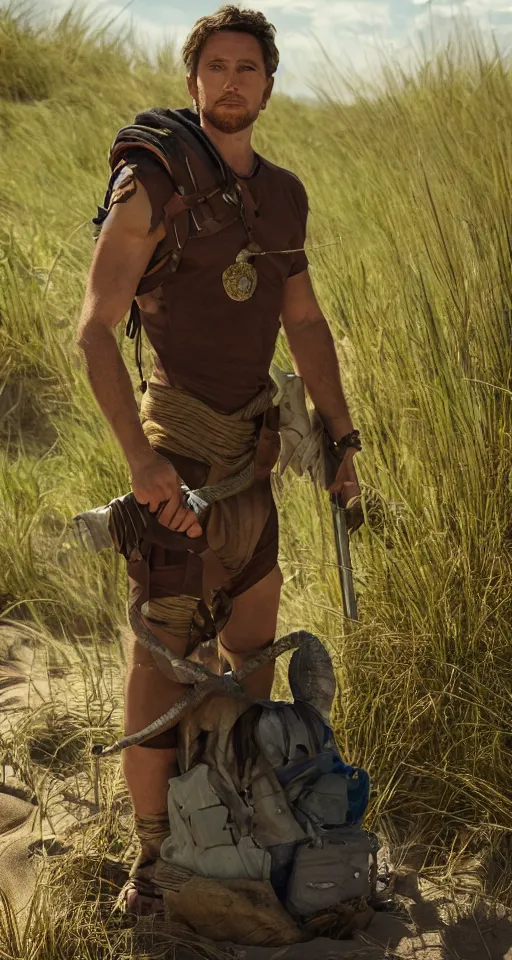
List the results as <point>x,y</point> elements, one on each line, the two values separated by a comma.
<point>294,40</point>
<point>477,12</point>
<point>356,34</point>
<point>365,11</point>
<point>329,12</point>
<point>170,23</point>
<point>286,6</point>
<point>447,10</point>
<point>147,30</point>
<point>475,7</point>
<point>338,29</point>
<point>488,6</point>
<point>350,56</point>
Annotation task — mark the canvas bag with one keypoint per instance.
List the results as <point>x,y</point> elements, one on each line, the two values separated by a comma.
<point>302,832</point>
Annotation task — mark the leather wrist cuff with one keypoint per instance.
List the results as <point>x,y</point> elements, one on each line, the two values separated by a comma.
<point>349,440</point>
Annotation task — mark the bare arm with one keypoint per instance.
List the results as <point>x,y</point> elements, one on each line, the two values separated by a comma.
<point>312,348</point>
<point>122,253</point>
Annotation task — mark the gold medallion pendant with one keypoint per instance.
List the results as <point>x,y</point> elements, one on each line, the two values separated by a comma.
<point>240,279</point>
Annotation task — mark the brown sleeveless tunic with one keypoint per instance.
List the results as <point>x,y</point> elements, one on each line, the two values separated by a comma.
<point>215,348</point>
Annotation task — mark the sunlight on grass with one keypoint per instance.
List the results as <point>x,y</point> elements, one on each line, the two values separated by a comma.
<point>415,184</point>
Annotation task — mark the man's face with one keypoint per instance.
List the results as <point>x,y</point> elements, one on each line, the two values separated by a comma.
<point>231,82</point>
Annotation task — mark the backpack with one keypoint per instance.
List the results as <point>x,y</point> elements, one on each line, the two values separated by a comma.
<point>207,196</point>
<point>265,796</point>
<point>305,836</point>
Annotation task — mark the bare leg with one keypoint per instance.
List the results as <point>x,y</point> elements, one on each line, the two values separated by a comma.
<point>251,626</point>
<point>147,770</point>
<point>149,694</point>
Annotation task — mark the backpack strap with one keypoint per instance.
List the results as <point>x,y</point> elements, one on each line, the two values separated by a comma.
<point>164,263</point>
<point>206,198</point>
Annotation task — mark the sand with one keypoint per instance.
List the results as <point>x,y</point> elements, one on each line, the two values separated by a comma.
<point>425,923</point>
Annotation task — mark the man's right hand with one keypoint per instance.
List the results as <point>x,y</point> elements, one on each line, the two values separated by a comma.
<point>155,481</point>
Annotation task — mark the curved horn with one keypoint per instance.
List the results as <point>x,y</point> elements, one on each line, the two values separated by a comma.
<point>192,698</point>
<point>203,680</point>
<point>296,639</point>
<point>311,677</point>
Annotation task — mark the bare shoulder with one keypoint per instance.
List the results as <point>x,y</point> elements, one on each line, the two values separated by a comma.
<point>123,251</point>
<point>130,210</point>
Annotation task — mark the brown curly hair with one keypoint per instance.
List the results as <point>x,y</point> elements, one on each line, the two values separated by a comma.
<point>233,18</point>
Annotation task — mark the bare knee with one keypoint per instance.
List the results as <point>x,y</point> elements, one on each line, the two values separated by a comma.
<point>150,688</point>
<point>253,621</point>
<point>141,657</point>
<point>251,629</point>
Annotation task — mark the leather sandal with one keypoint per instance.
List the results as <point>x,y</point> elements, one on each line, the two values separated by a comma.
<point>138,896</point>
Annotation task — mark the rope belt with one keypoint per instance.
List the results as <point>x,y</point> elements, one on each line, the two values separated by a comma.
<point>175,421</point>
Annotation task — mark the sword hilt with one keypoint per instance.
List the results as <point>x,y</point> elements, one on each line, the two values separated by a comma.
<point>353,511</point>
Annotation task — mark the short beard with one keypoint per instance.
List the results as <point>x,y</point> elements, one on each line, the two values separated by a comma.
<point>229,123</point>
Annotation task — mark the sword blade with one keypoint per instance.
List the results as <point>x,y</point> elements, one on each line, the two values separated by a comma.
<point>343,554</point>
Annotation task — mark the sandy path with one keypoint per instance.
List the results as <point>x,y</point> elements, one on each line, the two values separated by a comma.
<point>431,930</point>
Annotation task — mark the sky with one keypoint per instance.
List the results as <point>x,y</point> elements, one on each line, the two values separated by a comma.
<point>356,34</point>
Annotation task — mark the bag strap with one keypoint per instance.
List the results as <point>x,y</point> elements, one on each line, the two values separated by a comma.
<point>179,143</point>
<point>167,264</point>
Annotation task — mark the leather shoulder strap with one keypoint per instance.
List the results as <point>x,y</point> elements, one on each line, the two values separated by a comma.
<point>206,195</point>
<point>204,184</point>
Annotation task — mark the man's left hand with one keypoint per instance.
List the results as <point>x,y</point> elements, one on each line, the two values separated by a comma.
<point>346,482</point>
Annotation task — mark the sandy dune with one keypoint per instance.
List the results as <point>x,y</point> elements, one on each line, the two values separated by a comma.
<point>428,927</point>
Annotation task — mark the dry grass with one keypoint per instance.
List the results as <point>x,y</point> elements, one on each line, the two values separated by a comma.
<point>419,295</point>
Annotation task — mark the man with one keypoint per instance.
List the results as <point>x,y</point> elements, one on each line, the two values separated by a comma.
<point>207,394</point>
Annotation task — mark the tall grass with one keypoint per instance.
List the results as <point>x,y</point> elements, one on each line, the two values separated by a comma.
<point>415,184</point>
